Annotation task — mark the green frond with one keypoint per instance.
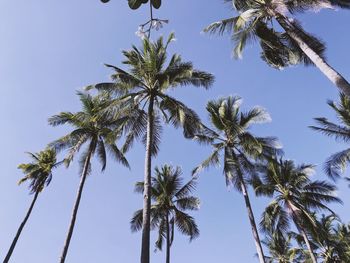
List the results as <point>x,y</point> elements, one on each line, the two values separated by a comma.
<point>101,153</point>
<point>213,159</point>
<point>136,221</point>
<point>188,203</point>
<point>186,224</point>
<point>117,154</point>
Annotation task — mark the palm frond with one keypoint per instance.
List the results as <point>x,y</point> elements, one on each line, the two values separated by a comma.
<point>186,224</point>
<point>188,203</point>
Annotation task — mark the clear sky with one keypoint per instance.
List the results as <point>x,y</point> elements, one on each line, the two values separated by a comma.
<point>49,49</point>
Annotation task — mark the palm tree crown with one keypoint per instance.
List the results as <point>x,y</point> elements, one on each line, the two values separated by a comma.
<point>95,126</point>
<point>281,248</point>
<point>231,139</point>
<point>39,171</point>
<point>336,163</point>
<point>295,197</point>
<point>256,21</point>
<point>172,198</point>
<point>148,81</point>
<point>328,240</point>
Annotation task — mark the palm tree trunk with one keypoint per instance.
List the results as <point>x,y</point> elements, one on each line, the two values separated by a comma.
<point>336,78</point>
<point>76,206</point>
<point>145,247</point>
<point>167,239</point>
<point>14,242</point>
<point>252,222</point>
<point>303,233</point>
<point>308,245</point>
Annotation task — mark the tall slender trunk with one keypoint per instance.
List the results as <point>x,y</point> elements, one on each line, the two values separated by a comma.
<point>303,233</point>
<point>76,206</point>
<point>308,245</point>
<point>14,242</point>
<point>252,222</point>
<point>151,16</point>
<point>145,247</point>
<point>167,239</point>
<point>336,78</point>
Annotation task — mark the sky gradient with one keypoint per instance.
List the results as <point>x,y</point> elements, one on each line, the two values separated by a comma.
<point>50,49</point>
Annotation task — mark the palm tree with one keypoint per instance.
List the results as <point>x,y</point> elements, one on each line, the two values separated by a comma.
<point>39,174</point>
<point>171,200</point>
<point>280,248</point>
<point>336,163</point>
<point>328,239</point>
<point>240,149</point>
<point>294,195</point>
<point>96,128</point>
<point>280,49</point>
<point>146,86</point>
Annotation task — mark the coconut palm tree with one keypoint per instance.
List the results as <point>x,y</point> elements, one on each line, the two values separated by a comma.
<point>294,198</point>
<point>231,139</point>
<point>98,129</point>
<point>172,198</point>
<point>280,49</point>
<point>146,86</point>
<point>336,163</point>
<point>39,174</point>
<point>281,249</point>
<point>327,238</point>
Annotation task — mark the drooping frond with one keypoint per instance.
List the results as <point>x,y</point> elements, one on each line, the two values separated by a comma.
<point>213,159</point>
<point>188,203</point>
<point>136,221</point>
<point>186,224</point>
<point>336,164</point>
<point>180,115</point>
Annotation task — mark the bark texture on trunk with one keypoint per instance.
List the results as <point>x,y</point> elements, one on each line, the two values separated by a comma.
<point>145,247</point>
<point>335,77</point>
<point>14,242</point>
<point>252,223</point>
<point>167,239</point>
<point>76,206</point>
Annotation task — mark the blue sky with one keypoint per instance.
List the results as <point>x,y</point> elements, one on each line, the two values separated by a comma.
<point>49,49</point>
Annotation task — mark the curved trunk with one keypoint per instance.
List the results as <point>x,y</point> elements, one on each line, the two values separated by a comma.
<point>303,233</point>
<point>14,242</point>
<point>320,63</point>
<point>167,239</point>
<point>252,222</point>
<point>145,247</point>
<point>308,245</point>
<point>76,206</point>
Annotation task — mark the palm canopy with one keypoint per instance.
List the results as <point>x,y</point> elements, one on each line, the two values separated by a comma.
<point>232,140</point>
<point>171,199</point>
<point>93,125</point>
<point>280,248</point>
<point>148,81</point>
<point>255,21</point>
<point>39,171</point>
<point>336,163</point>
<point>295,195</point>
<point>328,238</point>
